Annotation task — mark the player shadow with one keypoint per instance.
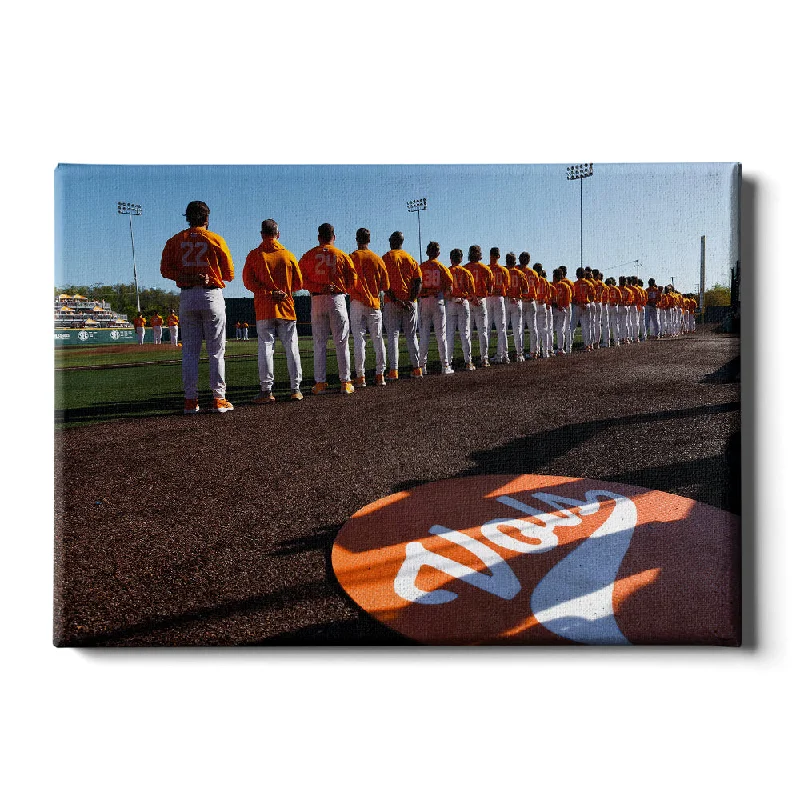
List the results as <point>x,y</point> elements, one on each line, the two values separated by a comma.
<point>118,410</point>
<point>363,630</point>
<point>211,618</point>
<point>534,454</point>
<point>727,373</point>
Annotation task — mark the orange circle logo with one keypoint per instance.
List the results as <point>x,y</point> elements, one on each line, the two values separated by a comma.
<point>541,559</point>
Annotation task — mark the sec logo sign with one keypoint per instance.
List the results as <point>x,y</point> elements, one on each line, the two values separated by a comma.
<point>541,559</point>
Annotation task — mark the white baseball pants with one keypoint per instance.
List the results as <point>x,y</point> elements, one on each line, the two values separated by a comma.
<point>329,318</point>
<point>367,320</point>
<point>202,313</point>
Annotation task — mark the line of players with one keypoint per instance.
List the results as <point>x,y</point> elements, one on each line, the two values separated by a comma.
<point>395,293</point>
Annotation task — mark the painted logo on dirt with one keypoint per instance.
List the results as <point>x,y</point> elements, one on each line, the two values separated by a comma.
<point>540,559</point>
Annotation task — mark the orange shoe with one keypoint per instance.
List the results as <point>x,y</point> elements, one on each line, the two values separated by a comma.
<point>360,382</point>
<point>379,380</point>
<point>416,373</point>
<point>392,376</point>
<point>319,388</point>
<point>347,387</point>
<point>220,405</point>
<point>191,406</point>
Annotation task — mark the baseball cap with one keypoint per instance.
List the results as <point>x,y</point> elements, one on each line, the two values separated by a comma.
<point>197,208</point>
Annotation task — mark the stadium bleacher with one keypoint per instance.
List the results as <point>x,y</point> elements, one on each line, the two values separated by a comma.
<point>77,311</point>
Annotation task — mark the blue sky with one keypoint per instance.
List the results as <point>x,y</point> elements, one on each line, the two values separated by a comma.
<point>652,212</point>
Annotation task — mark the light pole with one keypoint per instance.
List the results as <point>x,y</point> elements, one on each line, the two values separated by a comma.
<point>418,205</point>
<point>132,210</point>
<point>579,172</point>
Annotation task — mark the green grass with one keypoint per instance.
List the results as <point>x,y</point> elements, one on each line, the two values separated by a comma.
<point>149,384</point>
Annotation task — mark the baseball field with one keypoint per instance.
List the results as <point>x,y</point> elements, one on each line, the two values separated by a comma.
<point>218,529</point>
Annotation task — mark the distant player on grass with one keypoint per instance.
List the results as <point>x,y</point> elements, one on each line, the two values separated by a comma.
<point>172,324</point>
<point>139,323</point>
<point>201,264</point>
<point>271,273</point>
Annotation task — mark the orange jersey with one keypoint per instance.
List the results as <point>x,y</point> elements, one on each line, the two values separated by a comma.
<point>139,322</point>
<point>692,305</point>
<point>482,276</point>
<point>563,294</point>
<point>436,278</point>
<point>542,290</point>
<point>403,271</point>
<point>324,266</point>
<point>584,292</point>
<point>531,278</point>
<point>192,254</point>
<point>463,282</point>
<point>271,267</point>
<point>501,278</point>
<point>627,295</point>
<point>157,319</point>
<point>517,283</point>
<point>372,278</point>
<point>172,320</point>
<point>614,295</point>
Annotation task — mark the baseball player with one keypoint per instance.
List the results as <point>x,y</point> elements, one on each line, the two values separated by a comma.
<point>602,294</point>
<point>238,330</point>
<point>272,274</point>
<point>692,312</point>
<point>483,279</point>
<point>529,306</point>
<point>581,298</point>
<point>365,308</point>
<point>591,309</point>
<point>562,310</point>
<point>457,309</point>
<point>200,263</point>
<point>156,323</point>
<point>651,309</point>
<point>496,306</point>
<point>328,274</point>
<point>517,289</point>
<point>626,321</point>
<point>400,310</point>
<point>436,280</point>
<point>597,282</point>
<point>245,331</point>
<point>613,300</point>
<point>138,324</point>
<point>172,324</point>
<point>640,301</point>
<point>544,312</point>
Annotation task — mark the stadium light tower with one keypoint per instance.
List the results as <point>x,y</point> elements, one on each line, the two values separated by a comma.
<point>418,205</point>
<point>579,172</point>
<point>132,210</point>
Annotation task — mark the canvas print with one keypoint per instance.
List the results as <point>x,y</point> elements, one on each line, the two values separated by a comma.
<point>397,405</point>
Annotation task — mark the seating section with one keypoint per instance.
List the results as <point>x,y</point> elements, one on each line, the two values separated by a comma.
<point>77,311</point>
